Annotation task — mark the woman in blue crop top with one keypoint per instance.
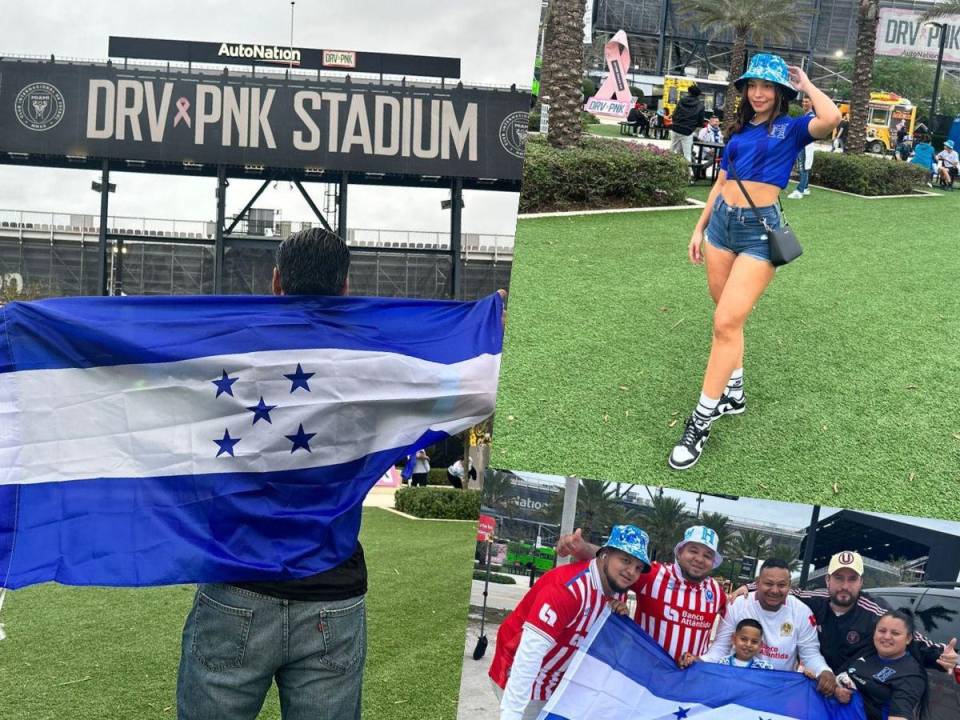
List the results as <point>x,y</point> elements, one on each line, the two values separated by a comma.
<point>762,144</point>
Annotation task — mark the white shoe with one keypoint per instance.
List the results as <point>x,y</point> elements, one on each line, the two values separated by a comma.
<point>795,195</point>
<point>807,191</point>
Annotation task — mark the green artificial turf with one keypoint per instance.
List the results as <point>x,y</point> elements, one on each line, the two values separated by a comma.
<point>113,653</point>
<point>852,356</point>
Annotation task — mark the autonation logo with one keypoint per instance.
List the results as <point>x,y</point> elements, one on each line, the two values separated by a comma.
<point>267,53</point>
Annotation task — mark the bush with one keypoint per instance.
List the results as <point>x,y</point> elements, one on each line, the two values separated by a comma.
<point>589,87</point>
<point>600,173</point>
<point>494,578</point>
<point>533,120</point>
<point>443,503</point>
<point>866,175</point>
<point>437,476</point>
<point>588,118</point>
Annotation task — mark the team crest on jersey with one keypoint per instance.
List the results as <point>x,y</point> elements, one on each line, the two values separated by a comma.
<point>709,595</point>
<point>779,131</point>
<point>786,630</point>
<point>885,674</point>
<point>853,637</point>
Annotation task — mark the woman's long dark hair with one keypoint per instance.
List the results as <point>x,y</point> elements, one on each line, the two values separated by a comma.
<point>745,112</point>
<point>907,618</point>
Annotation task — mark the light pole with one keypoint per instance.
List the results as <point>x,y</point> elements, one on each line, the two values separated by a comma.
<point>936,77</point>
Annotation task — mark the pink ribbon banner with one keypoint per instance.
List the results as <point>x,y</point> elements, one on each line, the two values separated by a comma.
<point>613,97</point>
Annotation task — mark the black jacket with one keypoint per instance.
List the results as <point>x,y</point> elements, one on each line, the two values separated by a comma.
<point>688,116</point>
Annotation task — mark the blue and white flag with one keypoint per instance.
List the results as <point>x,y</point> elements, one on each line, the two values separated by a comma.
<point>621,673</point>
<point>156,440</point>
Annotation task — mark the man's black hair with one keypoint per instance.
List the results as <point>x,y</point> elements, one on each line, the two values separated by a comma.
<point>313,262</point>
<point>693,90</point>
<point>771,563</point>
<point>749,622</point>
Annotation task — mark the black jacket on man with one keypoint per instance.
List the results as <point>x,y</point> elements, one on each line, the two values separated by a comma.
<point>844,638</point>
<point>689,115</point>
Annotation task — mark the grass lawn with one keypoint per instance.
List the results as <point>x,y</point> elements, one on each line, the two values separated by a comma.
<point>113,653</point>
<point>852,356</point>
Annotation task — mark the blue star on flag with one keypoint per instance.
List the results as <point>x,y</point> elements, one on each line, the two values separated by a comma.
<point>299,379</point>
<point>224,384</point>
<point>681,712</point>
<point>261,411</point>
<point>226,444</point>
<point>300,440</point>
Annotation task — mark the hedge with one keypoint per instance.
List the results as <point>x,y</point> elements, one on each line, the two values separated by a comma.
<point>494,578</point>
<point>443,503</point>
<point>600,173</point>
<point>866,175</point>
<point>533,120</point>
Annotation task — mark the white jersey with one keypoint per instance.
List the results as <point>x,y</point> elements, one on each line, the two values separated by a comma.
<point>789,634</point>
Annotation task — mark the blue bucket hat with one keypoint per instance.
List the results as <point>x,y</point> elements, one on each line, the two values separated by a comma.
<point>769,67</point>
<point>631,540</point>
<point>949,144</point>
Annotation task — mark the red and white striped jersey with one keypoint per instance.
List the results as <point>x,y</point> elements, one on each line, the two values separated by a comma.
<point>562,606</point>
<point>678,614</point>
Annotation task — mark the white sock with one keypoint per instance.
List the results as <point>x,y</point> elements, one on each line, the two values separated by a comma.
<point>703,413</point>
<point>735,386</point>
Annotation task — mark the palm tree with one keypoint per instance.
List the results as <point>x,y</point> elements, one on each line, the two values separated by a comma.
<point>597,509</point>
<point>868,15</point>
<point>947,7</point>
<point>561,76</point>
<point>497,487</point>
<point>749,543</point>
<point>753,21</point>
<point>787,553</point>
<point>665,522</point>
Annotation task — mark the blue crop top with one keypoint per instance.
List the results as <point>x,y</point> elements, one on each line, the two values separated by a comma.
<point>764,156</point>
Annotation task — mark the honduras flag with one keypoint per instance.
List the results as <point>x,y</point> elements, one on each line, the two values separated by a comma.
<point>156,440</point>
<point>621,673</point>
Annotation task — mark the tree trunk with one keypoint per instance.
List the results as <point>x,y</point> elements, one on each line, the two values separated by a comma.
<point>563,70</point>
<point>738,59</point>
<point>868,17</point>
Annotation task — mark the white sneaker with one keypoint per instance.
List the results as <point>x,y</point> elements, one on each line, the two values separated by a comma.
<point>795,195</point>
<point>807,191</point>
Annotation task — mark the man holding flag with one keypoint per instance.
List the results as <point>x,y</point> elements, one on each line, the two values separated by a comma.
<point>230,441</point>
<point>537,641</point>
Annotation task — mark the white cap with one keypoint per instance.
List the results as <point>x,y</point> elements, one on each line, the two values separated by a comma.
<point>846,559</point>
<point>705,536</point>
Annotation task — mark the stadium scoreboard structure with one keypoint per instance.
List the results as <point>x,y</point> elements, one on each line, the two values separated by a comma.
<point>267,125</point>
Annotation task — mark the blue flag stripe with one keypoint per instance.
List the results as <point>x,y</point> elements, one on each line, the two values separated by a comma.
<point>91,332</point>
<point>227,527</point>
<point>625,647</point>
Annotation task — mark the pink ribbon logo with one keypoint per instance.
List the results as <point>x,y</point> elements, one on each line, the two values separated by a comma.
<point>617,55</point>
<point>182,106</point>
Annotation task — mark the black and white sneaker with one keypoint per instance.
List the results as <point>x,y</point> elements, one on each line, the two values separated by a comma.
<point>729,406</point>
<point>687,451</point>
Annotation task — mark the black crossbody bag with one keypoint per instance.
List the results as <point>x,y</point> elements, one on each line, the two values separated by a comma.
<point>784,245</point>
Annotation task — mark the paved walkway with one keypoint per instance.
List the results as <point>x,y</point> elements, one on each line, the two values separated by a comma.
<point>381,497</point>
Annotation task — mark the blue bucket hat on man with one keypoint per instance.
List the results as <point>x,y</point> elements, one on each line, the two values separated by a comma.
<point>769,67</point>
<point>631,540</point>
<point>705,536</point>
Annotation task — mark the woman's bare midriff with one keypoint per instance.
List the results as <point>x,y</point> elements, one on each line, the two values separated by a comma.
<point>762,193</point>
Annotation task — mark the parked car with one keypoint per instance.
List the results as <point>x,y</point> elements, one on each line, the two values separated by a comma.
<point>936,607</point>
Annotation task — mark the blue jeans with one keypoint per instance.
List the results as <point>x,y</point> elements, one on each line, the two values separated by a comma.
<point>236,642</point>
<point>738,230</point>
<point>804,180</point>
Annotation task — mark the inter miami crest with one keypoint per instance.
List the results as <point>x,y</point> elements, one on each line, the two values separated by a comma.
<point>39,106</point>
<point>513,133</point>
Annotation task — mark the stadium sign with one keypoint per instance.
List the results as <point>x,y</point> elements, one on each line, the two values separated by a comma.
<point>231,53</point>
<point>901,32</point>
<point>93,111</point>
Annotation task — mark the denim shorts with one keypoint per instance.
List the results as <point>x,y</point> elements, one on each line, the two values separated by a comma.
<point>738,230</point>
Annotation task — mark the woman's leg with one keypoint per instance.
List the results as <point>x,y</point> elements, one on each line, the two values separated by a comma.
<point>719,263</point>
<point>745,284</point>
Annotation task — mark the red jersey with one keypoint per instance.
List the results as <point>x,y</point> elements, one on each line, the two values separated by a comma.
<point>562,606</point>
<point>676,613</point>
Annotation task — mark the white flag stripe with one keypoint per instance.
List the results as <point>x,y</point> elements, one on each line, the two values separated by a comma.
<point>163,418</point>
<point>592,689</point>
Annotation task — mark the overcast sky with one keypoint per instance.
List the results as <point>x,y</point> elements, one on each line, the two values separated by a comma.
<point>495,40</point>
<point>790,515</point>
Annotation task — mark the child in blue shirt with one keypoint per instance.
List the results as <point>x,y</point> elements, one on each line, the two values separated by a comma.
<point>923,156</point>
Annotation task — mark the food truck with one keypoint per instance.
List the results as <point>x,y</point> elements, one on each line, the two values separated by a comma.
<point>885,111</point>
<point>674,86</point>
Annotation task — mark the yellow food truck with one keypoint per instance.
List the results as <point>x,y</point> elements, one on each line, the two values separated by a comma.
<point>674,86</point>
<point>885,111</point>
